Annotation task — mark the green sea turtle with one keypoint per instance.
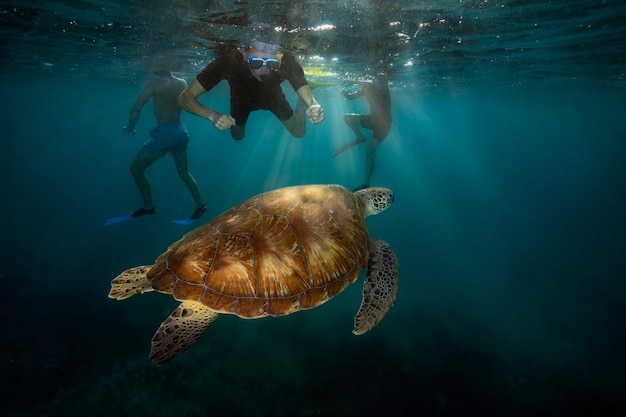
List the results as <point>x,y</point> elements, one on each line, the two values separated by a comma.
<point>277,253</point>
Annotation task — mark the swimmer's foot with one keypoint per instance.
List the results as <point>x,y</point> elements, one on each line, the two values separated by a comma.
<point>199,212</point>
<point>347,146</point>
<point>142,212</point>
<point>361,187</point>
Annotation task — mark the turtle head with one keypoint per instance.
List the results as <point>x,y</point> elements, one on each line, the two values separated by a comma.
<point>374,200</point>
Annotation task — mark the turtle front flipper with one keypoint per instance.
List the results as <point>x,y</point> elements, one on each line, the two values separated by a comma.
<point>180,330</point>
<point>130,282</point>
<point>380,287</point>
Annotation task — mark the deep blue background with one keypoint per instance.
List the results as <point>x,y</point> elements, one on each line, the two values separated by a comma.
<point>508,225</point>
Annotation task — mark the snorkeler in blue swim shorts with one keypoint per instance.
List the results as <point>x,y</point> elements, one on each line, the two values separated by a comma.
<point>169,136</point>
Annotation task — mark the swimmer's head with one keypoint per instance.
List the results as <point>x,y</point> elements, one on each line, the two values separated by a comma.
<point>162,65</point>
<point>262,58</point>
<point>269,48</point>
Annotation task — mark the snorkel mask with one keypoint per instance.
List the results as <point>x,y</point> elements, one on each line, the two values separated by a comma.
<point>271,59</point>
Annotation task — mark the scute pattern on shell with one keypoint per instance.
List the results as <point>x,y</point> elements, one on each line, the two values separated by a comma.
<point>279,252</point>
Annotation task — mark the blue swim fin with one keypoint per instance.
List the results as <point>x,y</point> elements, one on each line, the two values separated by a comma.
<point>184,222</point>
<point>194,216</point>
<point>118,219</point>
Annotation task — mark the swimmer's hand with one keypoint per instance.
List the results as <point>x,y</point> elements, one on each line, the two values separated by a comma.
<point>315,113</point>
<point>224,121</point>
<point>128,130</point>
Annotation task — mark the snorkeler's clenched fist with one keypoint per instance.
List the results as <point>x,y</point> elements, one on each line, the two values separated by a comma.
<point>315,113</point>
<point>223,122</point>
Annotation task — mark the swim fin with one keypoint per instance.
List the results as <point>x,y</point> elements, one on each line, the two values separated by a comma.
<point>140,212</point>
<point>184,222</point>
<point>118,219</point>
<point>194,216</point>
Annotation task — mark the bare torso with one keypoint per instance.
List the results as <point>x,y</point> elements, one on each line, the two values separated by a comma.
<point>165,91</point>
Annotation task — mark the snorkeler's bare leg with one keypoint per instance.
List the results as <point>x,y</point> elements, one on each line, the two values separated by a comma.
<point>353,121</point>
<point>370,159</point>
<point>182,167</point>
<point>138,167</point>
<point>237,132</point>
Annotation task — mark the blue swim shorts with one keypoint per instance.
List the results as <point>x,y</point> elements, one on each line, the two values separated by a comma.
<point>167,137</point>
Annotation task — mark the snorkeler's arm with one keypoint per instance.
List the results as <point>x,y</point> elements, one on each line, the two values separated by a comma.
<point>306,94</point>
<point>135,111</point>
<point>314,112</point>
<point>188,100</point>
<point>352,94</point>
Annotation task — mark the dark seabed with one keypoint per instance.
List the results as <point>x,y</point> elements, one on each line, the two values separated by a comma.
<point>507,157</point>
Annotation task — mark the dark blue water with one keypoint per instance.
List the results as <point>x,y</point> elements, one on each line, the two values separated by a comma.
<point>506,155</point>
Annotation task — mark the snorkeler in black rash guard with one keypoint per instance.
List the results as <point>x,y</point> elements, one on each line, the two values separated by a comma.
<point>254,74</point>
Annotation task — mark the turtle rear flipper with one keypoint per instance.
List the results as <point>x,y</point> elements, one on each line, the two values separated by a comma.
<point>180,330</point>
<point>130,282</point>
<point>380,287</point>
